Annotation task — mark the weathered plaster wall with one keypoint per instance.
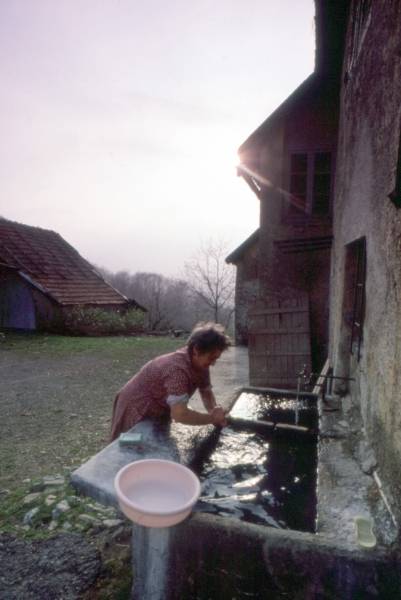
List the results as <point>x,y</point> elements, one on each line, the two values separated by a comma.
<point>366,163</point>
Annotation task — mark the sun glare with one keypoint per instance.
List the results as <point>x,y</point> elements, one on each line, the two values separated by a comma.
<point>217,158</point>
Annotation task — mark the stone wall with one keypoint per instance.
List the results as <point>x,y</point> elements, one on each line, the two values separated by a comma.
<point>212,557</point>
<point>369,136</point>
<point>307,123</point>
<point>246,291</point>
<point>245,297</point>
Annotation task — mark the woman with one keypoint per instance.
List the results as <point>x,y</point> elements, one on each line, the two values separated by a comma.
<point>165,384</point>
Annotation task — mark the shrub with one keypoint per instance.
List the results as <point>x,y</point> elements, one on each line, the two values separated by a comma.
<point>135,319</point>
<point>82,320</point>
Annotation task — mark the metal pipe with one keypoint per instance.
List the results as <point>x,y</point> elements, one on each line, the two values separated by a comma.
<point>281,393</point>
<point>268,426</point>
<point>297,399</point>
<point>331,377</point>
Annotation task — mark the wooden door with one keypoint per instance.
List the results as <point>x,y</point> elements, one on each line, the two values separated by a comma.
<point>279,340</point>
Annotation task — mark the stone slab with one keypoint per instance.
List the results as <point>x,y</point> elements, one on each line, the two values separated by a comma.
<point>169,441</point>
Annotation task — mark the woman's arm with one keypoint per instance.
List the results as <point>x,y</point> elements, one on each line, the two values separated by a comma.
<point>208,399</point>
<point>182,414</point>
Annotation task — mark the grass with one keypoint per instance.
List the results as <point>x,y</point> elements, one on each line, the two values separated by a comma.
<point>56,398</point>
<point>36,344</point>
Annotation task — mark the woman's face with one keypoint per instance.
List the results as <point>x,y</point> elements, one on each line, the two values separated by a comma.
<point>203,360</point>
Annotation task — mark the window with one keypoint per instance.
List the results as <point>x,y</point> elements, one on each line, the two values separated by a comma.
<point>321,183</point>
<point>395,195</point>
<point>354,294</point>
<point>310,183</point>
<point>299,180</point>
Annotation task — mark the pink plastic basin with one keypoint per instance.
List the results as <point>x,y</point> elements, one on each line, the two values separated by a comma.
<point>155,492</point>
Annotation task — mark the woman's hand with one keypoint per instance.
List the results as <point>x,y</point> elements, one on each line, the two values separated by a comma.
<point>182,414</point>
<point>218,416</point>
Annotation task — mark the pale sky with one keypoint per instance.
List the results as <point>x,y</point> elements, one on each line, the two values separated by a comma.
<point>120,120</point>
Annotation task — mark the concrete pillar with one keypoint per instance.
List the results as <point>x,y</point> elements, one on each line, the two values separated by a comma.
<point>150,554</point>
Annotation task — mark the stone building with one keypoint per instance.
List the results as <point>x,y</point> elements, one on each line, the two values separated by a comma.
<point>289,163</point>
<point>341,247</point>
<point>365,297</point>
<point>246,259</point>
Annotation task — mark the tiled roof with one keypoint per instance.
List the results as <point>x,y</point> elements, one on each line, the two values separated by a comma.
<point>237,254</point>
<point>52,265</point>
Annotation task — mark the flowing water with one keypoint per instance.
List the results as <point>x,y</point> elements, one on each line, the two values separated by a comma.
<point>264,478</point>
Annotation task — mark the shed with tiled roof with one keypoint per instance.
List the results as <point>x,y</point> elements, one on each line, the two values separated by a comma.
<point>42,276</point>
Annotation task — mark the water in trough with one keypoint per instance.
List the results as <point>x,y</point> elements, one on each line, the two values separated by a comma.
<point>264,477</point>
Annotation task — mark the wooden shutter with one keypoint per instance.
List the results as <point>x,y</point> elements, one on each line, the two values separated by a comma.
<point>279,341</point>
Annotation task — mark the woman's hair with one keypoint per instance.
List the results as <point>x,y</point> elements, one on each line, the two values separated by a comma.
<point>206,337</point>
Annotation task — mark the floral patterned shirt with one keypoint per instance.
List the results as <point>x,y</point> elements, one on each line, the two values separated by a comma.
<point>161,382</point>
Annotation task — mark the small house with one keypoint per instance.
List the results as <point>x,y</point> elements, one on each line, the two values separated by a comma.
<point>42,277</point>
<point>326,168</point>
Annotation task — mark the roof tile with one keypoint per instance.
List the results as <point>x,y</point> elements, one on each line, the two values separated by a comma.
<point>49,261</point>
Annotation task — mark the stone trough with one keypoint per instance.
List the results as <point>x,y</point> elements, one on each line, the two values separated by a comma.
<point>208,556</point>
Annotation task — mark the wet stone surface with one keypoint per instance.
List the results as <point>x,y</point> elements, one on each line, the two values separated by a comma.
<point>159,439</point>
<point>347,486</point>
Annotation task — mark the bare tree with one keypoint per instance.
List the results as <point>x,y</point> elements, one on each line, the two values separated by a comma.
<point>206,293</point>
<point>212,280</point>
<point>168,301</point>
